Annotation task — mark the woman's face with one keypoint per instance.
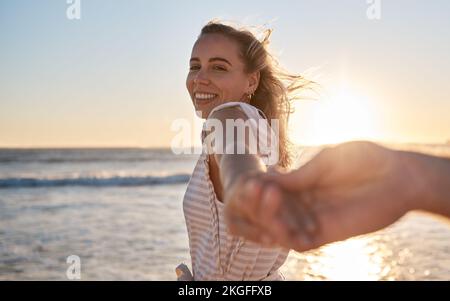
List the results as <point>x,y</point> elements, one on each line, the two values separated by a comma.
<point>216,74</point>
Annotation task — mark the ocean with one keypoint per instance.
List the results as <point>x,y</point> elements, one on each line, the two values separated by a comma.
<point>120,212</point>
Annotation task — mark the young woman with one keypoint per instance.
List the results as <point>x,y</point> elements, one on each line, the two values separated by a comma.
<point>233,77</point>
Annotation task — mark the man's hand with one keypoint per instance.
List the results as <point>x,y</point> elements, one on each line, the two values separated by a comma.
<point>348,190</point>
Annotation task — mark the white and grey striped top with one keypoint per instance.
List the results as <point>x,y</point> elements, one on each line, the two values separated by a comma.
<point>215,254</point>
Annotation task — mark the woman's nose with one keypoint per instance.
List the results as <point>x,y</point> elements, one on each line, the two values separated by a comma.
<point>200,78</point>
<point>201,81</point>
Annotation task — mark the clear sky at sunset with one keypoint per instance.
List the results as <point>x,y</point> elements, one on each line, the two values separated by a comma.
<point>116,76</point>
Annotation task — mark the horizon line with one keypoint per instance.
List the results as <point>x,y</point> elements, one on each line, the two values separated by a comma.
<point>199,146</point>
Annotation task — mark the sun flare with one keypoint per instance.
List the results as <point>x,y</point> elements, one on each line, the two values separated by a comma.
<point>334,118</point>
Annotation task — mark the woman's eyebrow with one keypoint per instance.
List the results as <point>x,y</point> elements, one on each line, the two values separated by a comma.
<point>212,60</point>
<point>194,59</point>
<point>219,59</point>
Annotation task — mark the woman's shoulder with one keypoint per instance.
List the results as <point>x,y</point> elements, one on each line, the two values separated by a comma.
<point>229,110</point>
<point>237,109</point>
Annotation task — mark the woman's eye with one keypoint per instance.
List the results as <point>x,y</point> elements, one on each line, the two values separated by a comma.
<point>220,68</point>
<point>192,68</point>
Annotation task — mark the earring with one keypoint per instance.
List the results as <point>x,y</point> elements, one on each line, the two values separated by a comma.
<point>250,95</point>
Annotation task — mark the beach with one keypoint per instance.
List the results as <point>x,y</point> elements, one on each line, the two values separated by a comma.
<point>120,211</point>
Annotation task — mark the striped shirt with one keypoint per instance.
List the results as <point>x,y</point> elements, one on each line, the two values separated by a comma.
<point>215,254</point>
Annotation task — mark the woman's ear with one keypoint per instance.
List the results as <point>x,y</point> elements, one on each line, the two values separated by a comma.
<point>253,81</point>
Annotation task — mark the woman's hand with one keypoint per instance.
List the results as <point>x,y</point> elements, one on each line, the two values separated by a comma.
<point>248,210</point>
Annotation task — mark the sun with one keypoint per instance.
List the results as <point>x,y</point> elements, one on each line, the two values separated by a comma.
<point>336,117</point>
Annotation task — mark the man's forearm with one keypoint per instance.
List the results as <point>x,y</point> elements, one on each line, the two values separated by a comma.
<point>435,191</point>
<point>437,170</point>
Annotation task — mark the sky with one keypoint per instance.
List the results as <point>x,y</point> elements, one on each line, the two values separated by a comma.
<point>115,77</point>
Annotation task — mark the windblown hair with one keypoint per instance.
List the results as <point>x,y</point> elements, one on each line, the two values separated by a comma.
<point>277,88</point>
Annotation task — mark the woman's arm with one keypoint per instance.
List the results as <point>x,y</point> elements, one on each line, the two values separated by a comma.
<point>234,168</point>
<point>238,172</point>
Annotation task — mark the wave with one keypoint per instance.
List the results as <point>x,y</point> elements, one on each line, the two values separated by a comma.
<point>18,159</point>
<point>95,181</point>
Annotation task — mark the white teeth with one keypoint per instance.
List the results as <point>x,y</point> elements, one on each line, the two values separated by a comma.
<point>204,95</point>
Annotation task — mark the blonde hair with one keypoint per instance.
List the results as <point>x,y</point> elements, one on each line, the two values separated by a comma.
<point>276,89</point>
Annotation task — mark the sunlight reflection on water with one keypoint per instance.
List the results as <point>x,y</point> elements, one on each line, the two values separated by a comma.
<point>390,254</point>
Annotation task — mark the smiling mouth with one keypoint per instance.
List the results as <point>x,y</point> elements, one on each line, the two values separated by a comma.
<point>201,98</point>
